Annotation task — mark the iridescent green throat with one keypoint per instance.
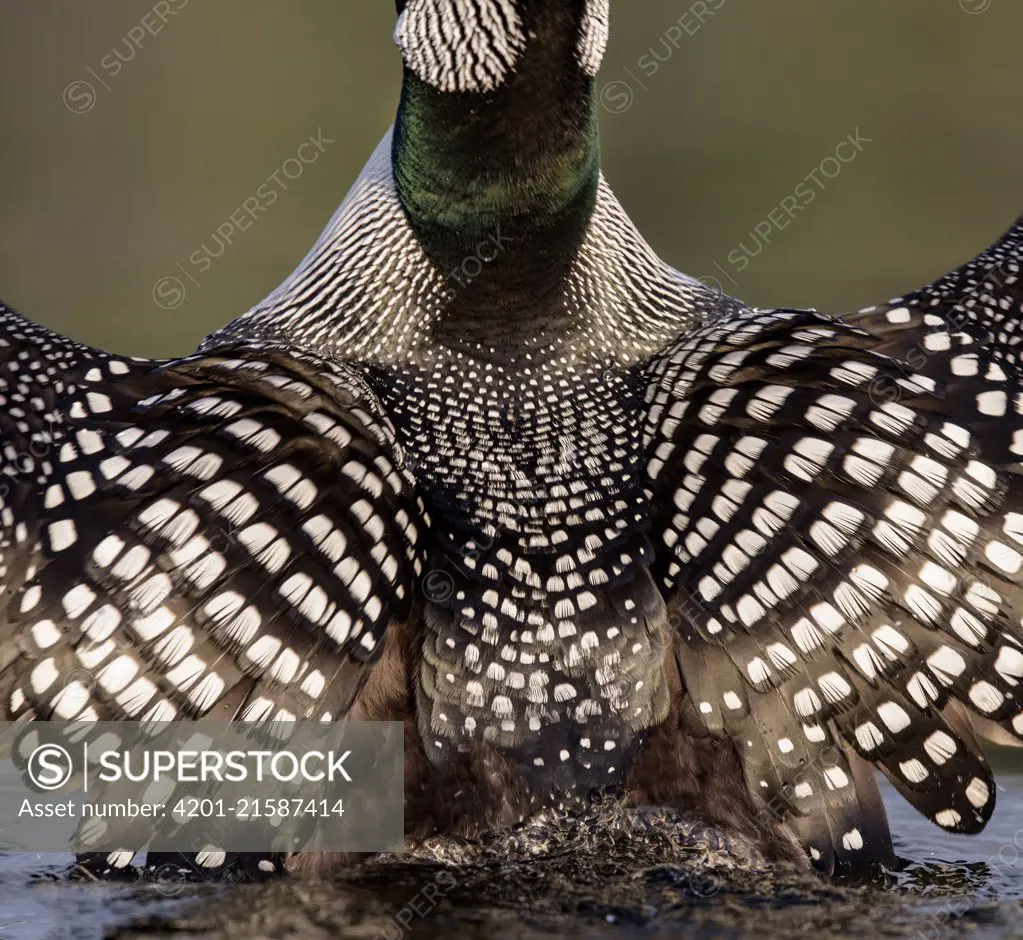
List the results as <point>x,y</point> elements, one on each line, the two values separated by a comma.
<point>524,160</point>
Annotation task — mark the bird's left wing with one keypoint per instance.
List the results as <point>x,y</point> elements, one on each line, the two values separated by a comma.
<point>843,536</point>
<point>968,322</point>
<point>976,309</point>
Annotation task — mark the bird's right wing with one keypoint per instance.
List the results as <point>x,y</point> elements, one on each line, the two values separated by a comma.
<point>228,534</point>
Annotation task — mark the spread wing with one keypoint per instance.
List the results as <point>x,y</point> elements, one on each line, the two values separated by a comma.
<point>975,308</point>
<point>229,533</point>
<point>973,311</point>
<point>842,534</point>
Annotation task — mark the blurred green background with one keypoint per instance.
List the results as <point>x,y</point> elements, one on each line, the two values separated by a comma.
<point>102,197</point>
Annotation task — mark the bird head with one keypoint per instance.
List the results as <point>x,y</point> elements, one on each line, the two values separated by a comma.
<point>475,46</point>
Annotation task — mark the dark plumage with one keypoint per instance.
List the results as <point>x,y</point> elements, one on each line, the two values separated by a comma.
<point>485,465</point>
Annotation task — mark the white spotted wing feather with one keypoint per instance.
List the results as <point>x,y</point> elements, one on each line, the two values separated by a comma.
<point>228,534</point>
<point>842,537</point>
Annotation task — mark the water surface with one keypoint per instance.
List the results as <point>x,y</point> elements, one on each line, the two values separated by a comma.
<point>599,886</point>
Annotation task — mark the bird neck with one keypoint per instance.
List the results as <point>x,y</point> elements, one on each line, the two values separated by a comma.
<point>519,165</point>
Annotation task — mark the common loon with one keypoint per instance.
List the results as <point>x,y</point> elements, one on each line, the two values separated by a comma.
<point>486,465</point>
